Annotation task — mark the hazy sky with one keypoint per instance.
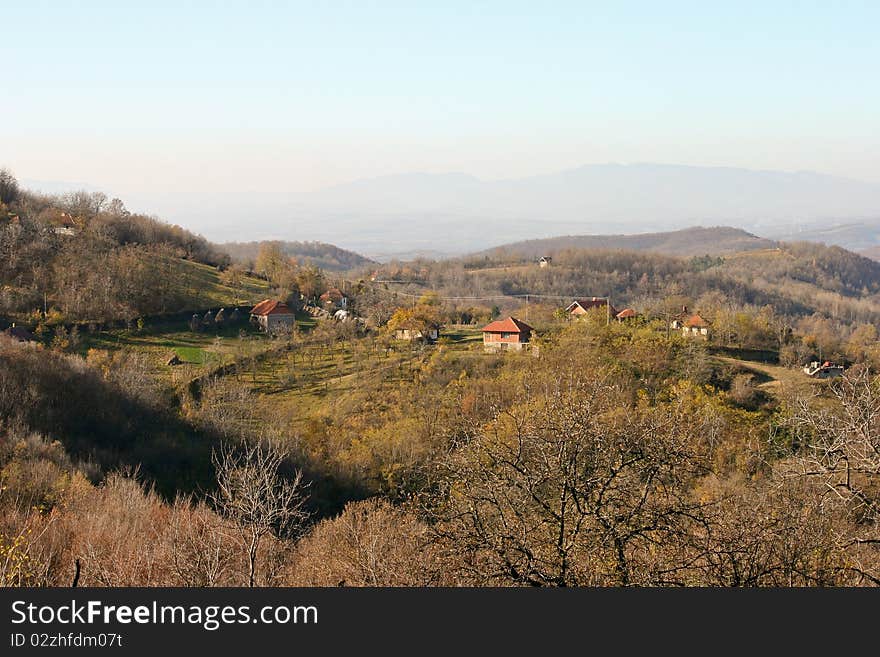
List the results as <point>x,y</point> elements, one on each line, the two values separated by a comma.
<point>266,96</point>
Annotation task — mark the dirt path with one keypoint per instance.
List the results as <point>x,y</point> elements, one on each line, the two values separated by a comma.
<point>780,377</point>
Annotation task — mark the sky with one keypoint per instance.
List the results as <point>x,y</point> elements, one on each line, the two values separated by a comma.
<point>212,97</point>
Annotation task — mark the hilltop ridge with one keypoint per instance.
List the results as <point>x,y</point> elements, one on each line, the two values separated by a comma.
<point>717,240</point>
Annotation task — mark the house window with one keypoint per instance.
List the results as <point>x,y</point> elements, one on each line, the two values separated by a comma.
<point>505,335</point>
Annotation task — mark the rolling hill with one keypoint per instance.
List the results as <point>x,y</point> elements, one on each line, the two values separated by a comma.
<point>320,254</point>
<point>455,213</point>
<point>718,240</point>
<point>458,213</point>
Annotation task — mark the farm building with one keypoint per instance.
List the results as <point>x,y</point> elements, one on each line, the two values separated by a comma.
<point>580,307</point>
<point>273,316</point>
<point>626,314</point>
<point>544,261</point>
<point>510,333</point>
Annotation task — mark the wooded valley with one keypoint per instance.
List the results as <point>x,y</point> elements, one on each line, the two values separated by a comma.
<point>154,433</point>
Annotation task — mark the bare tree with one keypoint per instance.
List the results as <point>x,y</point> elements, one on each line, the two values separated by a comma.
<point>256,498</point>
<point>838,446</point>
<point>572,491</point>
<point>841,441</point>
<point>200,555</point>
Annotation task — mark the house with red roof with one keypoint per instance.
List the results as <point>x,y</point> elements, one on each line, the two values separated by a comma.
<point>333,298</point>
<point>273,316</point>
<point>696,326</point>
<point>625,314</point>
<point>580,307</point>
<point>509,333</point>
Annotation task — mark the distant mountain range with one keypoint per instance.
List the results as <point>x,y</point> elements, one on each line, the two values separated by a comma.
<point>455,213</point>
<point>451,214</point>
<point>686,242</point>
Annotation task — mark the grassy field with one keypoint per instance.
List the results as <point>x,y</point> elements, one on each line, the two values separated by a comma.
<point>194,355</point>
<point>311,377</point>
<point>205,286</point>
<point>777,380</point>
<point>462,336</point>
<point>199,351</point>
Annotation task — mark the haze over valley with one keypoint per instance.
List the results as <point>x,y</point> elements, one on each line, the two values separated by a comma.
<point>440,215</point>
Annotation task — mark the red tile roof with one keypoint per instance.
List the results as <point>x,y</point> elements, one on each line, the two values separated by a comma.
<point>695,321</point>
<point>588,304</point>
<point>509,325</point>
<point>271,307</point>
<point>626,313</point>
<point>333,294</point>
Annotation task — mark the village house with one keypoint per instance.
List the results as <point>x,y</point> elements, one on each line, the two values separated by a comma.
<point>580,307</point>
<point>415,332</point>
<point>678,320</point>
<point>503,334</point>
<point>273,316</point>
<point>695,326</point>
<point>431,335</point>
<point>65,225</point>
<point>544,261</point>
<point>333,298</point>
<point>626,314</point>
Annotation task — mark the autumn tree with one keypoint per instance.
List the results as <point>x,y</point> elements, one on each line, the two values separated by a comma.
<point>270,260</point>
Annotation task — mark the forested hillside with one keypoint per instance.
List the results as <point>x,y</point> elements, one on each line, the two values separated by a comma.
<point>686,242</point>
<point>84,257</point>
<point>318,254</point>
<point>797,280</point>
<point>351,448</point>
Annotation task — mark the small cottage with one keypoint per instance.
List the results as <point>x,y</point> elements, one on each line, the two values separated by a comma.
<point>626,314</point>
<point>696,326</point>
<point>544,261</point>
<point>580,307</point>
<point>273,316</point>
<point>505,334</point>
<point>333,298</point>
<point>678,320</point>
<point>429,334</point>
